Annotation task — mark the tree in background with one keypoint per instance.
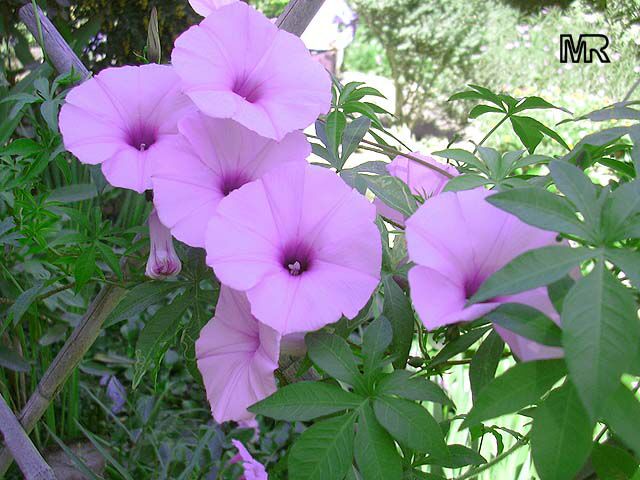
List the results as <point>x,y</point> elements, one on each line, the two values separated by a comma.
<point>422,39</point>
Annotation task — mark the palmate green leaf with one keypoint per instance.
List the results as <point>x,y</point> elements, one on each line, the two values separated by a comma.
<point>617,111</point>
<point>532,269</point>
<point>324,451</point>
<point>466,95</point>
<point>12,360</point>
<point>375,451</point>
<point>365,109</point>
<point>354,132</point>
<point>603,137</point>
<point>572,181</point>
<point>561,436</point>
<point>458,456</point>
<point>622,415</point>
<point>397,309</point>
<point>527,130</point>
<point>410,424</point>
<point>558,291</point>
<point>540,208</point>
<point>466,181</point>
<point>459,345</point>
<point>621,205</point>
<point>403,384</point>
<point>332,354</point>
<point>485,362</point>
<point>626,260</point>
<point>304,401</point>
<point>479,110</point>
<point>600,335</point>
<point>84,267</point>
<point>462,156</point>
<point>492,159</point>
<point>24,301</point>
<point>520,386</point>
<point>527,322</point>
<point>534,102</point>
<point>393,192</point>
<point>157,335</point>
<point>139,298</point>
<point>334,127</point>
<point>613,463</point>
<point>377,337</point>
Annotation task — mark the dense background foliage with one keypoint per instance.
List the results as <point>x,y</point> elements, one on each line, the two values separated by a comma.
<point>63,232</point>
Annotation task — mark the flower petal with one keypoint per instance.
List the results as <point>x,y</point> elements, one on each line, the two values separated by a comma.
<point>236,64</point>
<point>236,356</point>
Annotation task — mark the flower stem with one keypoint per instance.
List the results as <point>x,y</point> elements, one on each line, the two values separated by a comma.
<point>474,472</point>
<point>490,132</point>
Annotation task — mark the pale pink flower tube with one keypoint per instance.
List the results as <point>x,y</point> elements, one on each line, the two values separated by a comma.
<point>163,260</point>
<point>253,470</point>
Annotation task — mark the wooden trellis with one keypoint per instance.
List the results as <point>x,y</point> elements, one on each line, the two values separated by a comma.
<point>295,19</point>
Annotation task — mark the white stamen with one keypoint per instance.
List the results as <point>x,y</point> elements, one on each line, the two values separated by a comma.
<point>143,147</point>
<point>294,268</point>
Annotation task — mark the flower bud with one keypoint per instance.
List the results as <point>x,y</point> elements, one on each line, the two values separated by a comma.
<point>163,261</point>
<point>154,51</point>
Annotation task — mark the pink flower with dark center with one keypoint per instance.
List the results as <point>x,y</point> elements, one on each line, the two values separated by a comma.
<point>122,118</point>
<point>216,156</point>
<point>163,260</point>
<point>205,7</point>
<point>236,64</point>
<point>294,239</point>
<point>253,470</point>
<point>457,241</point>
<point>421,180</point>
<point>236,356</point>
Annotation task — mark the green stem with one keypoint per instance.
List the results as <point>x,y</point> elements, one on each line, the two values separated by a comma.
<point>39,25</point>
<point>486,137</point>
<point>476,471</point>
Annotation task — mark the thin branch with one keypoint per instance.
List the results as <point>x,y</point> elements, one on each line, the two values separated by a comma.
<point>19,444</point>
<point>631,90</point>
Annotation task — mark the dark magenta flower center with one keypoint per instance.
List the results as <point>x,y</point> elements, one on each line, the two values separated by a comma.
<point>232,181</point>
<point>471,285</point>
<point>248,89</point>
<point>297,258</point>
<point>141,137</point>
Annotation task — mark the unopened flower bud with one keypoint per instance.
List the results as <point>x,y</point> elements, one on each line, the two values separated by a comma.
<point>154,52</point>
<point>163,261</point>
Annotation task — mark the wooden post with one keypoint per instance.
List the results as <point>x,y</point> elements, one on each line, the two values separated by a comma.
<point>19,444</point>
<point>56,49</point>
<point>298,14</point>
